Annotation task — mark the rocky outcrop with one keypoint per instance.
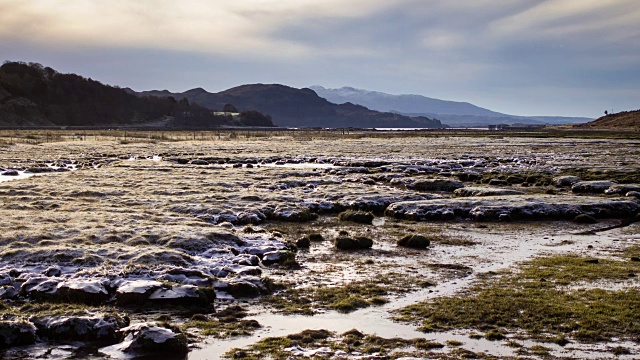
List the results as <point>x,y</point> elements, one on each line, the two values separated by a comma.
<point>516,207</point>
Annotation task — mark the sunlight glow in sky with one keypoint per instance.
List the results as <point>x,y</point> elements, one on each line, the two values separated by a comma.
<point>523,57</point>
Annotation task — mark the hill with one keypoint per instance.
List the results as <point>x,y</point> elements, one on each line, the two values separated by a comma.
<point>626,120</point>
<point>36,96</point>
<point>453,113</point>
<point>293,107</point>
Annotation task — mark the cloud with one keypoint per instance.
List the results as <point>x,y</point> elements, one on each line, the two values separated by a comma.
<point>461,50</point>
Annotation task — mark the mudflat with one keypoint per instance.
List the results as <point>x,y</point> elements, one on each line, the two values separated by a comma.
<point>319,244</point>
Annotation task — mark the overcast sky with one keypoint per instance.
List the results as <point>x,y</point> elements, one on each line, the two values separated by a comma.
<point>523,57</point>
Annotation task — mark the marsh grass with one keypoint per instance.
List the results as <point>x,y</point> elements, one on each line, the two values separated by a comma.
<point>538,300</point>
<point>345,298</point>
<point>352,341</point>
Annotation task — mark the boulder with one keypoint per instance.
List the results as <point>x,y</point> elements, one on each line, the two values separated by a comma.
<point>591,187</point>
<point>135,292</point>
<point>360,217</point>
<point>414,241</point>
<point>278,257</point>
<point>485,191</point>
<point>246,259</point>
<point>356,243</point>
<point>180,295</point>
<point>16,333</point>
<point>149,341</point>
<point>10,173</point>
<point>101,328</point>
<point>293,214</point>
<point>90,292</point>
<point>516,207</point>
<point>8,292</point>
<point>243,289</point>
<point>622,189</point>
<point>40,288</point>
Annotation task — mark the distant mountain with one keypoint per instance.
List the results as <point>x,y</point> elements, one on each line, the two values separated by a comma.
<point>626,120</point>
<point>37,96</point>
<point>453,113</point>
<point>293,107</point>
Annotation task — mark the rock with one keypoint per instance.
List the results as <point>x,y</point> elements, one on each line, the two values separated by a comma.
<point>303,243</point>
<point>10,173</point>
<point>102,328</point>
<point>516,207</point>
<point>40,288</point>
<point>469,176</point>
<point>135,292</point>
<point>149,341</point>
<point>429,184</point>
<point>199,162</point>
<point>357,243</point>
<point>360,217</point>
<point>485,191</point>
<point>564,181</point>
<point>592,187</point>
<point>316,237</point>
<point>14,333</point>
<point>246,259</point>
<point>621,189</point>
<point>278,257</point>
<point>497,182</point>
<point>6,279</point>
<point>52,271</point>
<point>635,194</point>
<point>242,289</point>
<point>293,214</point>
<point>414,241</point>
<point>90,292</point>
<point>8,292</point>
<point>180,295</point>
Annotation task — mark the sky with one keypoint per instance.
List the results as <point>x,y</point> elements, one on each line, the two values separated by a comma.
<point>521,57</point>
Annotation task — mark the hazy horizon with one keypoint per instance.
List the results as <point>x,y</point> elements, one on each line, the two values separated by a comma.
<point>555,57</point>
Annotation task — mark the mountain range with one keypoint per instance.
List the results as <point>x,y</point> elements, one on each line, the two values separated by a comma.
<point>32,95</point>
<point>452,113</point>
<point>291,107</point>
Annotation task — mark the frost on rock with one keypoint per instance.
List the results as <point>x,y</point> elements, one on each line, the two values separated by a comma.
<point>516,207</point>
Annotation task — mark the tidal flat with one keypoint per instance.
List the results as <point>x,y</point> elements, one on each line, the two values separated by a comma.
<point>377,245</point>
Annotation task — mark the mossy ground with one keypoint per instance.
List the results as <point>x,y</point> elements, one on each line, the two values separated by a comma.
<point>549,299</point>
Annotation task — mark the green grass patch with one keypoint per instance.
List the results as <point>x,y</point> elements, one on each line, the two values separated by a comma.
<point>537,300</point>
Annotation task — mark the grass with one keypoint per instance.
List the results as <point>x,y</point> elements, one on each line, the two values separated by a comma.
<point>345,298</point>
<point>550,299</point>
<point>351,341</point>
